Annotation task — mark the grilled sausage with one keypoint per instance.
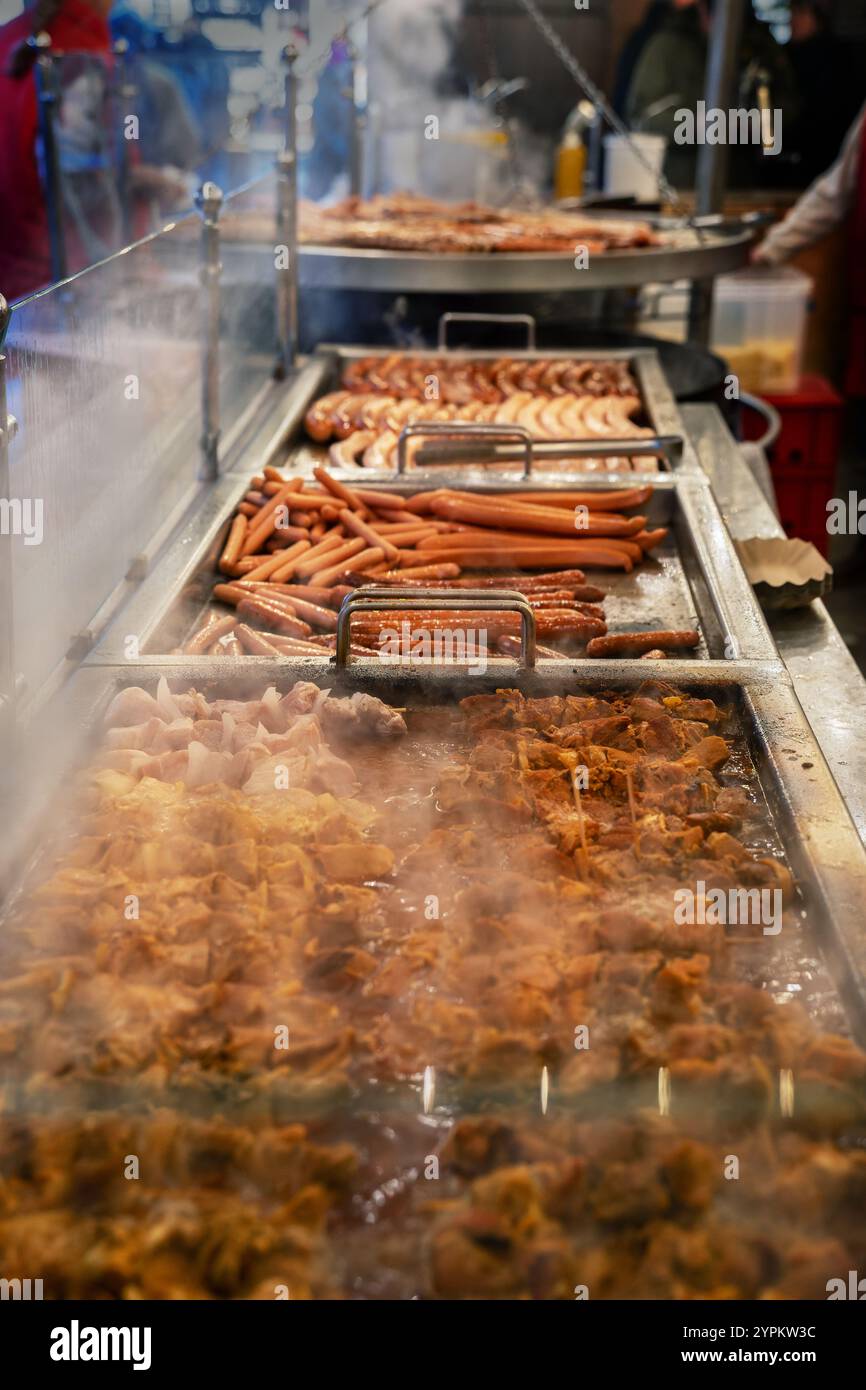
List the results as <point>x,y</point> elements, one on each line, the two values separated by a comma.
<point>216,626</point>
<point>274,616</point>
<point>636,643</point>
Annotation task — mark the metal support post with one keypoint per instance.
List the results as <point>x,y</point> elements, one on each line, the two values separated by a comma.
<point>287,227</point>
<point>712,165</point>
<point>209,201</point>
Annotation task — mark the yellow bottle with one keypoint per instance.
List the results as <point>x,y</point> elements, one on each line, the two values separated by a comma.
<point>570,166</point>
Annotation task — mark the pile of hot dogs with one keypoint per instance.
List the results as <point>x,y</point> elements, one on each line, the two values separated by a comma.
<point>552,398</point>
<point>294,552</point>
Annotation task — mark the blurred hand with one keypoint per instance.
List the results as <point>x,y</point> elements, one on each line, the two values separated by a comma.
<point>758,256</point>
<point>172,187</point>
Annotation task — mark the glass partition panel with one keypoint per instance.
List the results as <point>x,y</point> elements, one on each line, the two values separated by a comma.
<point>126,139</point>
<point>248,340</point>
<point>104,377</point>
<point>84,161</point>
<point>212,112</point>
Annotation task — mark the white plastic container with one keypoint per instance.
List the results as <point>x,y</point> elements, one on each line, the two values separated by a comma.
<point>625,174</point>
<point>759,325</point>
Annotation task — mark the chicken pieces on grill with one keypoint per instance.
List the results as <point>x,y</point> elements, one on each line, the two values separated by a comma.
<point>296,922</point>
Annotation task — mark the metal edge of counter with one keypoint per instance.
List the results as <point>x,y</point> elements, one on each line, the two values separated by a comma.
<point>827,681</point>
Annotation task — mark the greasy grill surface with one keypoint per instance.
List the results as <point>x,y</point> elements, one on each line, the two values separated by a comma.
<point>431,917</point>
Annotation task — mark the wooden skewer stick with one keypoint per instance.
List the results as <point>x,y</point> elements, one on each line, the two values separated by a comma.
<point>583,854</point>
<point>633,809</point>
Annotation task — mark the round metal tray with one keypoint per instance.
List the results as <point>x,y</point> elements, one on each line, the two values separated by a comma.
<point>686,255</point>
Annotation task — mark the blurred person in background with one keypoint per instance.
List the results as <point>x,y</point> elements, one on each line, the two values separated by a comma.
<point>81,27</point>
<point>839,194</point>
<point>92,216</point>
<point>202,72</point>
<point>169,134</point>
<point>830,87</point>
<point>673,65</point>
<point>324,172</point>
<point>653,18</point>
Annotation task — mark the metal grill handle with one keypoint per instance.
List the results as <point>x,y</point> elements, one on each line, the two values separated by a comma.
<point>526,319</point>
<point>668,447</point>
<point>378,599</point>
<point>472,430</point>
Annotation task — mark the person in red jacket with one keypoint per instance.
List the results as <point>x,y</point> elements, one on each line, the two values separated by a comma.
<point>91,206</point>
<point>74,26</point>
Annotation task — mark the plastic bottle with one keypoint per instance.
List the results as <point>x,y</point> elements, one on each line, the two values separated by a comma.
<point>570,166</point>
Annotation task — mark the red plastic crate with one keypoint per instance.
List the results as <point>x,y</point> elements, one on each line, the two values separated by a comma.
<point>803,459</point>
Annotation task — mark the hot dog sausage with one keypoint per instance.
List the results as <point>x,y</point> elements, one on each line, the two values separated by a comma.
<point>636,643</point>
<point>271,615</point>
<point>216,626</point>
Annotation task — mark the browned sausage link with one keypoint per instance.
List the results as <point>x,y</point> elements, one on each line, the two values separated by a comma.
<point>398,516</point>
<point>286,535</point>
<point>557,579</point>
<point>318,420</point>
<point>648,540</point>
<point>561,623</point>
<point>230,593</point>
<point>316,594</point>
<point>422,572</point>
<point>618,500</point>
<point>371,498</point>
<point>272,616</point>
<point>313,613</point>
<point>263,526</point>
<point>565,622</point>
<point>277,594</point>
<point>280,563</point>
<point>546,520</point>
<point>511,646</point>
<point>589,554</point>
<point>294,646</point>
<point>533,585</point>
<point>346,495</point>
<point>636,643</point>
<point>216,626</point>
<point>353,522</point>
<point>363,560</point>
<point>255,643</point>
<point>550,598</point>
<point>234,541</point>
